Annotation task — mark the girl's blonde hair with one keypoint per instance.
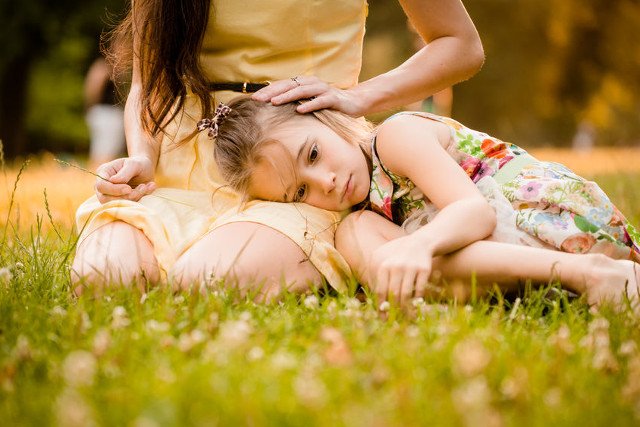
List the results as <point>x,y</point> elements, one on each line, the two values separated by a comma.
<point>245,131</point>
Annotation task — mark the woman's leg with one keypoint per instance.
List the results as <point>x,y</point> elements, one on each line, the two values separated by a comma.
<point>252,256</point>
<point>506,265</point>
<point>116,253</point>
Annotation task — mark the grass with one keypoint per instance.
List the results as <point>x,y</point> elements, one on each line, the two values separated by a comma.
<point>157,358</point>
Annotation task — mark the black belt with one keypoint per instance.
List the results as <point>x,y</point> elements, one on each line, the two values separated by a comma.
<point>244,87</point>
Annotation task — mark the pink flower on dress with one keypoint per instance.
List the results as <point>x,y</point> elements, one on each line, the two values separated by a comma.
<point>530,190</point>
<point>578,243</point>
<point>386,207</point>
<point>470,165</point>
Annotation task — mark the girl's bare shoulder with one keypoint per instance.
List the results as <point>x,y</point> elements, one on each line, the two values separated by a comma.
<point>409,129</point>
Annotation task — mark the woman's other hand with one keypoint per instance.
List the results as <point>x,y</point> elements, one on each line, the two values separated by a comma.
<point>319,94</point>
<point>127,178</point>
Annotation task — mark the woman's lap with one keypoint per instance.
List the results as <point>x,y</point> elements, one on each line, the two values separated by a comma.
<point>264,241</point>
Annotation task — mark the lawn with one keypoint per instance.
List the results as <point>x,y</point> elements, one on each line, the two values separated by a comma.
<point>156,358</point>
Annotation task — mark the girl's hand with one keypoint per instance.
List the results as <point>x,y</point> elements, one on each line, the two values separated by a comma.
<point>320,94</point>
<point>401,269</point>
<point>127,178</point>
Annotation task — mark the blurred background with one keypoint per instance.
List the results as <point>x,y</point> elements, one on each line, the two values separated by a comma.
<point>557,72</point>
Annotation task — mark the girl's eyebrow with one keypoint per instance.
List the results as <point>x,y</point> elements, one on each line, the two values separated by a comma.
<point>303,146</point>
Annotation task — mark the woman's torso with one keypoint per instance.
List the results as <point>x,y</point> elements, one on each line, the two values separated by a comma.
<point>254,41</point>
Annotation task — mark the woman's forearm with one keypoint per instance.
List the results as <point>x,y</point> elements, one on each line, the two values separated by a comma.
<point>453,53</point>
<point>139,142</point>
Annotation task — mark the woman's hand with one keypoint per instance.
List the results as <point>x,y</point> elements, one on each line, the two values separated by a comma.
<point>400,269</point>
<point>320,95</point>
<point>127,178</point>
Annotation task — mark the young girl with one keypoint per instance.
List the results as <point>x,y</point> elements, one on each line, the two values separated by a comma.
<point>438,189</point>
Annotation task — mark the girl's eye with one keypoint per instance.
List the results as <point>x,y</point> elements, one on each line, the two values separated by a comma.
<point>300,193</point>
<point>313,153</point>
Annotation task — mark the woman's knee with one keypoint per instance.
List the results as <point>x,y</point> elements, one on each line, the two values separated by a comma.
<point>249,256</point>
<point>116,253</point>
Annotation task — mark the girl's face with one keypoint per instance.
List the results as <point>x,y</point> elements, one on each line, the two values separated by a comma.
<point>310,163</point>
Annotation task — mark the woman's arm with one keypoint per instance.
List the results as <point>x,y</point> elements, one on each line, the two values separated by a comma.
<point>413,147</point>
<point>131,177</point>
<point>453,53</point>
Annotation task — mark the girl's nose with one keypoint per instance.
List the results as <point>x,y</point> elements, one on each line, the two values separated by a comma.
<point>328,182</point>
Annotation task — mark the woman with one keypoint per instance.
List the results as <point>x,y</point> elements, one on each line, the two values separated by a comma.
<point>190,227</point>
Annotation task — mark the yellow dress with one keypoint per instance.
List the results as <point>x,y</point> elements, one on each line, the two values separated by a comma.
<point>245,41</point>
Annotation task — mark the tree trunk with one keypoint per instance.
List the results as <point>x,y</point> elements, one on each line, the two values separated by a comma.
<point>14,80</point>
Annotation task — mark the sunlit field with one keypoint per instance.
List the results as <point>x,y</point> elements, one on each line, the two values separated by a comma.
<point>155,358</point>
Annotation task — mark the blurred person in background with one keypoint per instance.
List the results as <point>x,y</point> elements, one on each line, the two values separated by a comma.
<point>104,114</point>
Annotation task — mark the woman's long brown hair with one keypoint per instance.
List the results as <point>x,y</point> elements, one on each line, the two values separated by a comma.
<point>169,35</point>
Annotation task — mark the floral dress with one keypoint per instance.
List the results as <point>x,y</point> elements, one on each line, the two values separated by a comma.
<point>537,203</point>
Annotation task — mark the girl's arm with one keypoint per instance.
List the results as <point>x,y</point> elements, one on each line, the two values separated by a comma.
<point>131,177</point>
<point>413,147</point>
<point>453,53</point>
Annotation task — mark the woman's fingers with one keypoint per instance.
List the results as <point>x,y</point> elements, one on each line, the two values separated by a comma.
<point>133,194</point>
<point>277,88</point>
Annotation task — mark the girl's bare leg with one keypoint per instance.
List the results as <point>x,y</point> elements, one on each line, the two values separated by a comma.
<point>116,253</point>
<point>506,265</point>
<point>252,256</point>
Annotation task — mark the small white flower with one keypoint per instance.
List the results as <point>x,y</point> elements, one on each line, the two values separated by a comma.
<point>155,326</point>
<point>417,302</point>
<point>5,275</point>
<point>79,368</point>
<point>256,353</point>
<point>311,302</point>
<point>234,333</point>
<point>58,311</point>
<point>119,318</point>
<point>384,306</point>
<point>101,342</point>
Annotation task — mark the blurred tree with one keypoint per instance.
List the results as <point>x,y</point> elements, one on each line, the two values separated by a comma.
<point>29,30</point>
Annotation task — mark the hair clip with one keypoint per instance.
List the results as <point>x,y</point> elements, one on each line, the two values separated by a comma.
<point>222,111</point>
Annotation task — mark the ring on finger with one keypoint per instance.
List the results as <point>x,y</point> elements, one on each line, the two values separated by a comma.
<point>296,81</point>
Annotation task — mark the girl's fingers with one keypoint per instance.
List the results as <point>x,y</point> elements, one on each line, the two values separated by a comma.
<point>395,285</point>
<point>422,281</point>
<point>382,285</point>
<point>408,286</point>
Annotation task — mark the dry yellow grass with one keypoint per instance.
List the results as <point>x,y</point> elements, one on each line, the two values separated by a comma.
<point>68,187</point>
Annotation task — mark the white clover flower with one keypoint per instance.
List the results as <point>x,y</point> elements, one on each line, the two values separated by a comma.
<point>283,360</point>
<point>188,340</point>
<point>5,274</point>
<point>119,318</point>
<point>309,390</point>
<point>155,326</point>
<point>58,311</point>
<point>72,410</point>
<point>470,357</point>
<point>417,302</point>
<point>79,368</point>
<point>311,302</point>
<point>384,306</point>
<point>255,353</point>
<point>628,348</point>
<point>234,332</point>
<point>101,342</point>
